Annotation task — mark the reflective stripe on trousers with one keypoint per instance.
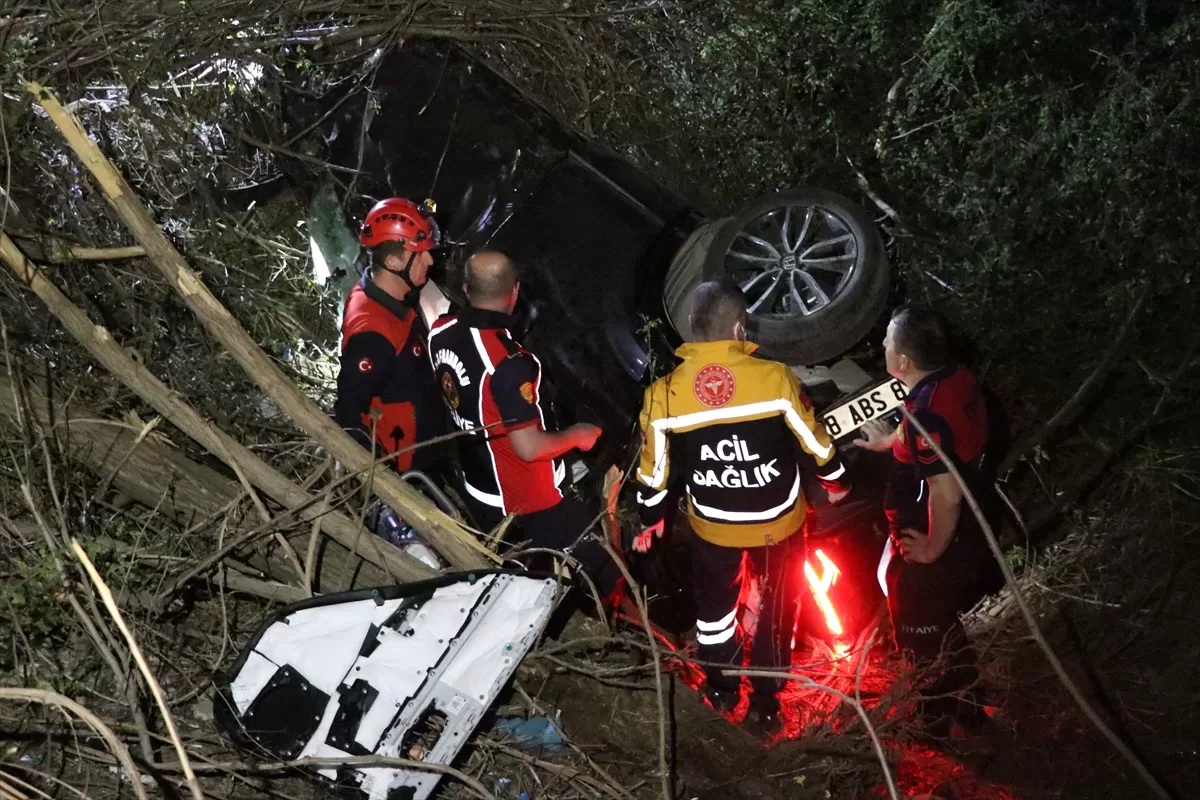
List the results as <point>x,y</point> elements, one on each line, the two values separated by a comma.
<point>719,632</point>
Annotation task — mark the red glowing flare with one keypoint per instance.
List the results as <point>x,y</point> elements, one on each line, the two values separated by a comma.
<point>820,589</point>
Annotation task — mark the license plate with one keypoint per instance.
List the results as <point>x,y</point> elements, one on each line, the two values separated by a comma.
<point>871,403</point>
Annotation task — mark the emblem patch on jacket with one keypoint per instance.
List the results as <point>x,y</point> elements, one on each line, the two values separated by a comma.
<point>527,392</point>
<point>365,365</point>
<point>450,390</point>
<point>714,385</point>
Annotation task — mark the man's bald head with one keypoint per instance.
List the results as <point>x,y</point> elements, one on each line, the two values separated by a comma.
<point>718,307</point>
<point>491,278</point>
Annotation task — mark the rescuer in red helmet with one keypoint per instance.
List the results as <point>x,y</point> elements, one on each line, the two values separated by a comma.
<point>386,395</point>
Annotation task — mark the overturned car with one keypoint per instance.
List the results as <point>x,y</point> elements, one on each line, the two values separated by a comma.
<point>610,260</point>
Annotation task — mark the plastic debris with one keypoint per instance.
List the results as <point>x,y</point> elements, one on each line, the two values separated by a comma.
<point>389,526</point>
<point>535,733</point>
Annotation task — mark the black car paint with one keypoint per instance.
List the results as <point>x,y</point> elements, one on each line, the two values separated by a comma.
<point>593,235</point>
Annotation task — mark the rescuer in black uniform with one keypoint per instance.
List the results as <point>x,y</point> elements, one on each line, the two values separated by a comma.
<point>736,430</point>
<point>496,387</point>
<point>387,398</point>
<point>937,564</point>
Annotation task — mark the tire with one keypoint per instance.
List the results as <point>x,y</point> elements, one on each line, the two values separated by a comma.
<point>828,331</point>
<point>686,273</point>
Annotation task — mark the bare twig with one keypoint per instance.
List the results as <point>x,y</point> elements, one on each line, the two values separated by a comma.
<point>103,642</point>
<point>882,204</point>
<point>608,786</point>
<point>273,768</point>
<point>140,659</point>
<point>854,703</point>
<point>538,709</point>
<point>1143,772</point>
<point>310,554</point>
<point>640,599</point>
<point>1086,391</point>
<point>115,745</point>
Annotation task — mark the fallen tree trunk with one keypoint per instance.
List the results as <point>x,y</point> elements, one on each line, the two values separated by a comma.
<point>160,477</point>
<point>100,344</point>
<point>153,474</point>
<point>455,543</point>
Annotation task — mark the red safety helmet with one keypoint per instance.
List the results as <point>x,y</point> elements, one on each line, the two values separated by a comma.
<point>400,220</point>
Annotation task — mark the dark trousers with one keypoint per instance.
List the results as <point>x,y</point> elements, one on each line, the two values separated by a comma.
<point>557,528</point>
<point>716,585</point>
<point>925,601</point>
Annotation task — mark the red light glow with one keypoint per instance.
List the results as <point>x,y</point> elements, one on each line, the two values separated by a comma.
<point>820,588</point>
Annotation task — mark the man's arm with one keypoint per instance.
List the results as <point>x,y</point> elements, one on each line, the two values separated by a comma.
<point>367,363</point>
<point>516,390</point>
<point>814,439</point>
<point>879,436</point>
<point>531,443</point>
<point>653,472</point>
<point>945,494</point>
<point>945,505</point>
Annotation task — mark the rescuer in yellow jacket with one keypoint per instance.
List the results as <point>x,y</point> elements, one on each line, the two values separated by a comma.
<point>734,431</point>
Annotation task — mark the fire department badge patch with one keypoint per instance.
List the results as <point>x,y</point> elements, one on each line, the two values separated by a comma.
<point>450,390</point>
<point>714,385</point>
<point>365,365</point>
<point>527,392</point>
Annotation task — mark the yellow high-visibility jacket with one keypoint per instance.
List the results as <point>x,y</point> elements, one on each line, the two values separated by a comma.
<point>735,431</point>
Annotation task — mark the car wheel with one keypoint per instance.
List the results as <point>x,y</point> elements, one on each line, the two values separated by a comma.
<point>814,270</point>
<point>687,272</point>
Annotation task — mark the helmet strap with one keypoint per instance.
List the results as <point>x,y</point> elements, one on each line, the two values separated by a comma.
<point>403,274</point>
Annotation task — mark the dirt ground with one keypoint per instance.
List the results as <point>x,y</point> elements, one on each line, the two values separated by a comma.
<point>1039,746</point>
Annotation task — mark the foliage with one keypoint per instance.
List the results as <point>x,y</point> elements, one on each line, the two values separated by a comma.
<point>1040,154</point>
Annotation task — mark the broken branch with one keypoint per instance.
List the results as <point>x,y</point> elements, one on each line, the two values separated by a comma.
<point>104,348</point>
<point>140,659</point>
<point>58,251</point>
<point>451,540</point>
<point>1011,579</point>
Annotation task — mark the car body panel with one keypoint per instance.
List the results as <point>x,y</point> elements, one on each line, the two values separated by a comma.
<point>402,671</point>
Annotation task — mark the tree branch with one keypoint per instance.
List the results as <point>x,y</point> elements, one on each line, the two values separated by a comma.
<point>1075,405</point>
<point>451,540</point>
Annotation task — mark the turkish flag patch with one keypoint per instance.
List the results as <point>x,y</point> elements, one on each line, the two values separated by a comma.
<point>923,443</point>
<point>925,451</point>
<point>365,365</point>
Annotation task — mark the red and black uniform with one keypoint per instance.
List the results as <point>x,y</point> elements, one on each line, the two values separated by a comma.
<point>384,368</point>
<point>925,600</point>
<point>493,385</point>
